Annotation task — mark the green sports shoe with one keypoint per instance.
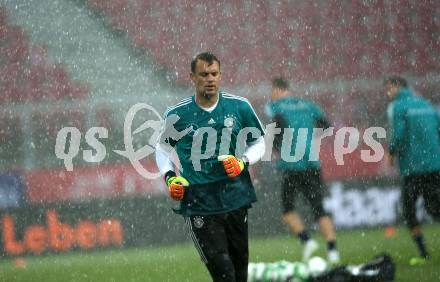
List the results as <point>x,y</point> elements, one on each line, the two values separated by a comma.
<point>416,261</point>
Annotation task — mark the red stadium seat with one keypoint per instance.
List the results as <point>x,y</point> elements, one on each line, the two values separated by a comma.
<point>26,74</point>
<point>324,44</point>
<point>3,16</point>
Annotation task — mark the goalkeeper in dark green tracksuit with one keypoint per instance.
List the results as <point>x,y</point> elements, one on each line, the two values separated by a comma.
<point>216,137</point>
<point>302,175</point>
<point>414,140</point>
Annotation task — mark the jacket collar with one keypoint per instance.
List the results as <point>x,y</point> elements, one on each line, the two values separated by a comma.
<point>403,93</point>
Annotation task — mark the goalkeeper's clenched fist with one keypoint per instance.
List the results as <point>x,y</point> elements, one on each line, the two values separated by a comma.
<point>176,187</point>
<point>233,166</point>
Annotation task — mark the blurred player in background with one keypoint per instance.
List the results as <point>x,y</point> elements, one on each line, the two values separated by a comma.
<point>414,140</point>
<point>302,176</point>
<point>215,197</point>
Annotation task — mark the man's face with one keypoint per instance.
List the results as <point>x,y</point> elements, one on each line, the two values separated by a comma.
<point>391,90</point>
<point>206,78</point>
<point>278,93</point>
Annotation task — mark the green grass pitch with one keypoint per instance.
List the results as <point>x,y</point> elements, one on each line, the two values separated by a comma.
<point>181,262</point>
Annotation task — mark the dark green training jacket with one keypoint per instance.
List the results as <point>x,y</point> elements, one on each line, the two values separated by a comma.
<point>414,135</point>
<point>210,190</point>
<point>300,116</point>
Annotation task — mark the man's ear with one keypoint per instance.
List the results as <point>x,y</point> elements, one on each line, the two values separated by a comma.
<point>192,76</point>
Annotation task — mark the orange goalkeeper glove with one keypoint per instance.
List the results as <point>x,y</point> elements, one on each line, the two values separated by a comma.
<point>176,187</point>
<point>233,166</point>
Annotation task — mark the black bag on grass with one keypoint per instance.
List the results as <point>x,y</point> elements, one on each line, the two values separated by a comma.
<point>380,269</point>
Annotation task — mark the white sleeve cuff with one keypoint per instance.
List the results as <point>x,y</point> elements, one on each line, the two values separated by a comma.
<point>255,151</point>
<point>163,160</point>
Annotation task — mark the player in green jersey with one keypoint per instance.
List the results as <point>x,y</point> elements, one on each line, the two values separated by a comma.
<point>302,175</point>
<point>414,141</point>
<point>216,137</point>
